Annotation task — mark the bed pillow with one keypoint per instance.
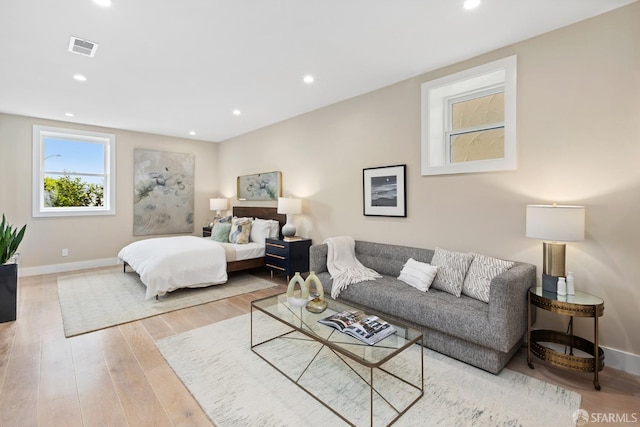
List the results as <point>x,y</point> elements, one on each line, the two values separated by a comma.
<point>418,274</point>
<point>452,269</point>
<point>240,231</point>
<point>260,230</point>
<point>220,232</point>
<point>482,270</point>
<point>275,229</point>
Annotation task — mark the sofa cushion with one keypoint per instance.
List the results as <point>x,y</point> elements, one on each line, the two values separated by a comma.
<point>478,280</point>
<point>452,269</point>
<point>389,259</point>
<point>418,274</point>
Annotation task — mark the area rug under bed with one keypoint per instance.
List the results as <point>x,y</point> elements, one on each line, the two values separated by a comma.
<point>101,299</point>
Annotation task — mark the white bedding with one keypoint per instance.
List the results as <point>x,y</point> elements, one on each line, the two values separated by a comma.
<point>169,263</point>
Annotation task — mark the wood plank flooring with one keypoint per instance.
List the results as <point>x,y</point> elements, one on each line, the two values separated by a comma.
<point>117,377</point>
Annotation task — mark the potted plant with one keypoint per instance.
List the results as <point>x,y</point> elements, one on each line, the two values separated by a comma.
<point>10,239</point>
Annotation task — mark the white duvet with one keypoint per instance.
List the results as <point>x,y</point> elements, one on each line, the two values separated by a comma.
<point>169,263</point>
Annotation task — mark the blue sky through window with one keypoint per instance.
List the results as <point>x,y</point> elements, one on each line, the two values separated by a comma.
<point>74,157</point>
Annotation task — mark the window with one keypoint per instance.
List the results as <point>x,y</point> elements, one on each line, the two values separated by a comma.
<point>73,172</point>
<point>468,120</point>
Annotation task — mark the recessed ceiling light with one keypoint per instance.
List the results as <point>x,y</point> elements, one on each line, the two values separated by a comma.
<point>105,3</point>
<point>192,133</point>
<point>80,78</point>
<point>237,112</point>
<point>471,4</point>
<point>308,79</point>
<point>68,114</point>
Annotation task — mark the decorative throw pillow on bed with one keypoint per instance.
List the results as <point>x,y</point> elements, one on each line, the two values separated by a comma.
<point>220,232</point>
<point>418,274</point>
<point>240,230</point>
<point>260,230</point>
<point>452,268</point>
<point>478,281</point>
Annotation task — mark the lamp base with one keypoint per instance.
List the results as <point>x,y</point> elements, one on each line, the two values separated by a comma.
<point>288,230</point>
<point>549,283</point>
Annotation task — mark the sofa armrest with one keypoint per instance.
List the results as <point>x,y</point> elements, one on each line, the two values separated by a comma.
<point>508,302</point>
<point>318,258</point>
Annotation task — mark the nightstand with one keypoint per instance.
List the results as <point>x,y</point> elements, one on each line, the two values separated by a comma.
<point>287,256</point>
<point>206,231</point>
<point>581,304</point>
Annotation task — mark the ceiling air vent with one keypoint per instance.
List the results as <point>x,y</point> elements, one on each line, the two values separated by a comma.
<point>83,47</point>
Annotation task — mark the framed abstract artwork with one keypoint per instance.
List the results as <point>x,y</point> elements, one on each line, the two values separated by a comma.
<point>384,191</point>
<point>163,192</point>
<point>261,186</point>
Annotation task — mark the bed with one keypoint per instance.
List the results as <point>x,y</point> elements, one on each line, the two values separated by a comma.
<point>165,264</point>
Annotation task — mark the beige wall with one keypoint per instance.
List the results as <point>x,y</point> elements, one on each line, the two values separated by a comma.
<point>578,142</point>
<point>88,238</point>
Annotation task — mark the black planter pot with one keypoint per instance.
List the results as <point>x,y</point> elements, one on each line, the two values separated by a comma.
<point>8,292</point>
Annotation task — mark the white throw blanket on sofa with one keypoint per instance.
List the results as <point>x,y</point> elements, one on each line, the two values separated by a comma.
<point>343,265</point>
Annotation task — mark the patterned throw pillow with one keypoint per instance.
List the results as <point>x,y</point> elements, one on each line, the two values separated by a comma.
<point>240,230</point>
<point>220,232</point>
<point>482,270</point>
<point>418,274</point>
<point>452,268</point>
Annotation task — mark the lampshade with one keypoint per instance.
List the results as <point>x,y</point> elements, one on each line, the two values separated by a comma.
<point>289,206</point>
<point>559,223</point>
<point>218,204</point>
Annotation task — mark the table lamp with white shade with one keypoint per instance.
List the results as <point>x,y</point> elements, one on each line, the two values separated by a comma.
<point>218,205</point>
<point>555,224</point>
<point>289,207</point>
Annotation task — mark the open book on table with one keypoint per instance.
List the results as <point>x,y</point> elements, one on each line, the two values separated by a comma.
<point>368,329</point>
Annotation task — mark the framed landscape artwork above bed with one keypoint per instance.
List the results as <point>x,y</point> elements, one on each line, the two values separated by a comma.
<point>163,192</point>
<point>260,186</point>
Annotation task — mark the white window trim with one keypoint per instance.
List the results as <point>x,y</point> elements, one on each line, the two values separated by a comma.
<point>436,96</point>
<point>109,141</point>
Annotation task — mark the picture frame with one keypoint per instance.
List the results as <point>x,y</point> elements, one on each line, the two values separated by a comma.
<point>384,191</point>
<point>266,186</point>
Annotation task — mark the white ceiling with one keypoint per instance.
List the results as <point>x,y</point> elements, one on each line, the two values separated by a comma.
<point>173,66</point>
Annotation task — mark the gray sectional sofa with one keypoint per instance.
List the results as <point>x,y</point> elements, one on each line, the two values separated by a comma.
<point>482,334</point>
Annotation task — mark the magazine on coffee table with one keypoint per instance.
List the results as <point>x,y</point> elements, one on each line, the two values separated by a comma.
<point>368,329</point>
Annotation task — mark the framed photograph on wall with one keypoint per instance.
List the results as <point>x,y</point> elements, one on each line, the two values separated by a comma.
<point>384,191</point>
<point>260,186</point>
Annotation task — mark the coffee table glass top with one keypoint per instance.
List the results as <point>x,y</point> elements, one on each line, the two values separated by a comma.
<point>306,322</point>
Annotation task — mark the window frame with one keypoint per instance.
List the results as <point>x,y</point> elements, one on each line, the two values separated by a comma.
<point>437,103</point>
<point>108,141</point>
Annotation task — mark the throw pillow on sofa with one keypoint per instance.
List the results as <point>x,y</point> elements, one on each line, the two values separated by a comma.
<point>452,268</point>
<point>418,274</point>
<point>482,270</point>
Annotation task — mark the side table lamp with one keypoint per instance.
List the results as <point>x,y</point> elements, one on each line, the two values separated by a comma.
<point>218,205</point>
<point>289,207</point>
<point>555,224</point>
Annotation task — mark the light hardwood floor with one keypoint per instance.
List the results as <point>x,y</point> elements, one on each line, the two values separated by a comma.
<point>117,377</point>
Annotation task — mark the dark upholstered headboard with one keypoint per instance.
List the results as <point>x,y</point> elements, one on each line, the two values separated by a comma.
<point>261,212</point>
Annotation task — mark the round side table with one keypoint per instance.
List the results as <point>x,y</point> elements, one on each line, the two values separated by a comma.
<point>581,304</point>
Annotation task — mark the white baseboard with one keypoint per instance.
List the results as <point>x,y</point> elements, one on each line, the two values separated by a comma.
<point>622,360</point>
<point>71,266</point>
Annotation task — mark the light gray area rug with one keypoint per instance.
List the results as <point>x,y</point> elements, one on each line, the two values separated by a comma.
<point>100,299</point>
<point>237,388</point>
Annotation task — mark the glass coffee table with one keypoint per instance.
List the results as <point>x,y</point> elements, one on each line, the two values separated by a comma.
<point>359,383</point>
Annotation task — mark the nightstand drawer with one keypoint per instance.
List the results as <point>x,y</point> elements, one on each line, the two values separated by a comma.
<point>278,249</point>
